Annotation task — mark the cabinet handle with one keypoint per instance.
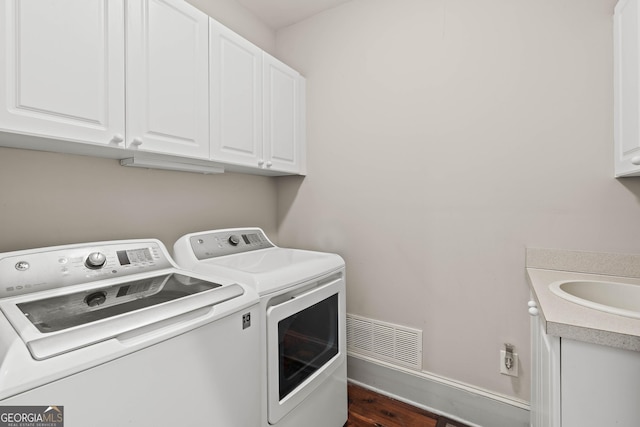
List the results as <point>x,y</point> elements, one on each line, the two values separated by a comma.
<point>117,138</point>
<point>260,162</point>
<point>136,142</point>
<point>635,160</point>
<point>532,303</point>
<point>269,164</point>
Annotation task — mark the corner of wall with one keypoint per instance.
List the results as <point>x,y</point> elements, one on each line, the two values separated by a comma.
<point>241,20</point>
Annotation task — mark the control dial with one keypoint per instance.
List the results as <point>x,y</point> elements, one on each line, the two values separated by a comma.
<point>95,260</point>
<point>234,240</point>
<point>95,299</point>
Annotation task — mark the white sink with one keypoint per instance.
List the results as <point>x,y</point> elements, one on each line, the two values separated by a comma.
<point>612,297</point>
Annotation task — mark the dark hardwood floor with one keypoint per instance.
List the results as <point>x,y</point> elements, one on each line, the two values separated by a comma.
<point>369,409</point>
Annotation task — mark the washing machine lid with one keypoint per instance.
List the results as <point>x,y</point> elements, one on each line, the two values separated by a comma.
<point>271,270</point>
<point>61,320</point>
<point>246,255</point>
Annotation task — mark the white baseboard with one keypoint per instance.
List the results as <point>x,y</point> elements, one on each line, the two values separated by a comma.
<point>475,408</point>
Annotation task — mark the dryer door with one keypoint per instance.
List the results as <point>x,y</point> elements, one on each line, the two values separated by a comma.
<point>305,344</point>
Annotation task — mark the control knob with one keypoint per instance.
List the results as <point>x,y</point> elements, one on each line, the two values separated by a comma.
<point>234,239</point>
<point>95,299</point>
<point>95,260</point>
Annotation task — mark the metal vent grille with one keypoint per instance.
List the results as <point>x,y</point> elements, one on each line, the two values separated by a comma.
<point>385,341</point>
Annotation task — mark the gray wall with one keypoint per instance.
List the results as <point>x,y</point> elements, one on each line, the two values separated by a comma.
<point>444,137</point>
<point>53,199</point>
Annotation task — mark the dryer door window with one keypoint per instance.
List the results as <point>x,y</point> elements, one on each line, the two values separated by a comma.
<point>307,340</point>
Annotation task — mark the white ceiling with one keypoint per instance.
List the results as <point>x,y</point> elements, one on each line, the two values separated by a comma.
<point>281,13</point>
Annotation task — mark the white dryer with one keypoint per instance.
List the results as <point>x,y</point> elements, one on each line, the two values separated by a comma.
<point>114,334</point>
<point>302,305</point>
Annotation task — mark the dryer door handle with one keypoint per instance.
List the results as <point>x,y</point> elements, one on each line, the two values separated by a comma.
<point>320,286</point>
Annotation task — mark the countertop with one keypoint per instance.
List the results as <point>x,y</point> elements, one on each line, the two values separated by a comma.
<point>573,321</point>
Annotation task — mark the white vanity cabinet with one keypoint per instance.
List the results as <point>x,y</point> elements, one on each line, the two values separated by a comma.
<point>167,78</point>
<point>627,88</point>
<point>257,106</point>
<point>578,384</point>
<point>62,68</point>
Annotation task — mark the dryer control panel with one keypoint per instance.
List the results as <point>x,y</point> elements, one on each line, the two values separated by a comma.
<point>23,272</point>
<point>212,244</point>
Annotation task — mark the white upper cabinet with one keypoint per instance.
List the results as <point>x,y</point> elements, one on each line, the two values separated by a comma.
<point>257,106</point>
<point>627,88</point>
<point>167,78</point>
<point>283,116</point>
<point>142,79</point>
<point>62,69</point>
<point>236,98</point>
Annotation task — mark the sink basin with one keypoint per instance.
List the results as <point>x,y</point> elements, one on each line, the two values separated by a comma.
<point>612,297</point>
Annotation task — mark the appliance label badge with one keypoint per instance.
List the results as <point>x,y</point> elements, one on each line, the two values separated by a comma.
<point>246,320</point>
<point>32,416</point>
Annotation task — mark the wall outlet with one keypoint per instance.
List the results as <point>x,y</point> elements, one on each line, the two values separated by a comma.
<point>508,367</point>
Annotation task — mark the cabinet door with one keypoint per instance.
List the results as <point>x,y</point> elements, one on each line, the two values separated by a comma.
<point>236,98</point>
<point>600,385</point>
<point>62,69</point>
<point>282,116</point>
<point>167,78</point>
<point>627,88</point>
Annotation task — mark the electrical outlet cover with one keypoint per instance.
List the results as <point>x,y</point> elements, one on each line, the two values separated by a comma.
<point>513,372</point>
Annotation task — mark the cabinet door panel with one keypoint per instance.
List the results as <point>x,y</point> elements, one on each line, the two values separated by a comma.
<point>167,78</point>
<point>236,98</point>
<point>63,70</point>
<point>599,385</point>
<point>627,88</point>
<point>282,120</point>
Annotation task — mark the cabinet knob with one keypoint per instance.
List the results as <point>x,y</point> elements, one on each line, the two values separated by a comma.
<point>533,311</point>
<point>117,138</point>
<point>635,160</point>
<point>532,303</point>
<point>260,162</point>
<point>136,142</point>
<point>269,164</point>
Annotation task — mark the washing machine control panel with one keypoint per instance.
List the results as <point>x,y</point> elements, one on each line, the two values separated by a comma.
<point>32,271</point>
<point>226,242</point>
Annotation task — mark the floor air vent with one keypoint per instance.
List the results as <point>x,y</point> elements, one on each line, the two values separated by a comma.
<point>385,341</point>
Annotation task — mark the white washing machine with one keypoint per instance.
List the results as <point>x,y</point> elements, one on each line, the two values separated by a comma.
<point>114,334</point>
<point>302,305</point>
